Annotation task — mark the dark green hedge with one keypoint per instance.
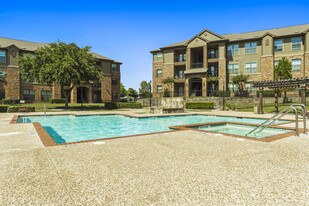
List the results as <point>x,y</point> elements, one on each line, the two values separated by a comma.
<point>199,105</point>
<point>118,105</point>
<point>268,93</point>
<point>220,93</point>
<point>10,101</point>
<point>16,109</point>
<point>57,101</point>
<point>3,108</point>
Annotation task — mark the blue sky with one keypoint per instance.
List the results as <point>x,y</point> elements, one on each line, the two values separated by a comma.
<point>127,30</point>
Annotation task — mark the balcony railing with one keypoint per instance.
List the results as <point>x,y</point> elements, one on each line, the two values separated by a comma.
<point>212,55</point>
<point>196,93</point>
<point>180,58</point>
<point>213,73</point>
<point>179,77</point>
<point>197,65</point>
<point>179,94</point>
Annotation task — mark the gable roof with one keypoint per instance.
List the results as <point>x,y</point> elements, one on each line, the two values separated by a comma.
<point>277,32</point>
<point>32,46</point>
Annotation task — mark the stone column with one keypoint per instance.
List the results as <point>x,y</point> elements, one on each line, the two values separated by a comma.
<point>90,99</point>
<point>56,91</point>
<point>204,86</point>
<point>106,89</point>
<point>74,95</point>
<point>188,56</point>
<point>187,87</point>
<point>205,60</point>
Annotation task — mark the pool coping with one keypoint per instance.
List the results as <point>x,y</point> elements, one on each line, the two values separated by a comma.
<point>264,139</point>
<point>48,141</point>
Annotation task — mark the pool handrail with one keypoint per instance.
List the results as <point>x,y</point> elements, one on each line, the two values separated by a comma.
<point>280,114</point>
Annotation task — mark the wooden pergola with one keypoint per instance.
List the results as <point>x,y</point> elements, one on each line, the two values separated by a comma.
<point>301,83</point>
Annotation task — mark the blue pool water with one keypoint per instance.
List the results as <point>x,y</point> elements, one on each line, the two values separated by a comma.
<point>69,128</point>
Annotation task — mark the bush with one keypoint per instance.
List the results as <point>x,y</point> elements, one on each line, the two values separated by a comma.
<point>230,106</point>
<point>118,105</point>
<point>3,108</point>
<point>221,93</point>
<point>57,101</point>
<point>199,105</point>
<point>17,109</point>
<point>268,93</point>
<point>166,93</point>
<point>10,101</point>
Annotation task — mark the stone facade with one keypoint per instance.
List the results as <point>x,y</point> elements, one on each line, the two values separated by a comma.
<point>208,59</point>
<point>14,87</point>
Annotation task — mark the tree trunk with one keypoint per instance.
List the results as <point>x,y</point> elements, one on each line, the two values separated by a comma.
<point>66,96</point>
<point>284,97</point>
<point>261,102</point>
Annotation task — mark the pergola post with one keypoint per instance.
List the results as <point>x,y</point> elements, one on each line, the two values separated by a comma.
<point>303,95</point>
<point>276,100</point>
<point>261,101</point>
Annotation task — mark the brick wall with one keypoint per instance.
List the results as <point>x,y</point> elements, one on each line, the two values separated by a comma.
<point>11,83</point>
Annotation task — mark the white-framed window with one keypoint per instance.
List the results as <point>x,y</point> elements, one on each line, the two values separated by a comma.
<point>2,56</point>
<point>159,89</point>
<point>159,56</point>
<point>232,87</point>
<point>296,64</point>
<point>251,67</point>
<point>249,87</point>
<point>296,43</point>
<point>232,49</point>
<point>159,72</point>
<point>114,67</point>
<point>250,48</point>
<point>276,62</point>
<point>46,94</point>
<point>278,45</point>
<point>29,95</point>
<point>233,68</point>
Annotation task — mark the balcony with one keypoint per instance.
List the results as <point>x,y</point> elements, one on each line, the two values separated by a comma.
<point>197,65</point>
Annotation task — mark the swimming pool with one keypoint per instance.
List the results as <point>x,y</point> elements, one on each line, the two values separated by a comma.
<point>242,130</point>
<point>71,128</point>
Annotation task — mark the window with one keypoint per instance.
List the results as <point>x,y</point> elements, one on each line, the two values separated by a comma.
<point>96,85</point>
<point>249,87</point>
<point>159,72</point>
<point>275,63</point>
<point>232,87</point>
<point>181,57</point>
<point>159,56</point>
<point>2,94</point>
<point>29,95</point>
<point>2,57</point>
<point>232,50</point>
<point>233,68</point>
<point>27,53</point>
<point>24,80</point>
<point>278,45</point>
<point>46,94</point>
<point>250,48</point>
<point>296,43</point>
<point>114,67</point>
<point>159,89</point>
<point>114,81</point>
<point>250,67</point>
<point>296,64</point>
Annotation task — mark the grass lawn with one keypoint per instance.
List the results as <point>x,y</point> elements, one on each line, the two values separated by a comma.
<point>268,108</point>
<point>39,107</point>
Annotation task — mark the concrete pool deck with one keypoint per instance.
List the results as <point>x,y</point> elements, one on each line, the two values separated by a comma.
<point>184,168</point>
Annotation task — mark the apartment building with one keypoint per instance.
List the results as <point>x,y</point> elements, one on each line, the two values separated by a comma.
<point>207,62</point>
<point>14,87</point>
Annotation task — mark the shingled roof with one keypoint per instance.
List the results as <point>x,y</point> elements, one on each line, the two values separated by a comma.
<point>32,46</point>
<point>278,32</point>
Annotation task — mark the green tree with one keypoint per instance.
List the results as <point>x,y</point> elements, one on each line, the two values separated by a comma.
<point>169,81</point>
<point>123,91</point>
<point>240,80</point>
<point>166,93</point>
<point>132,92</point>
<point>61,64</point>
<point>144,90</point>
<point>3,75</point>
<point>283,70</point>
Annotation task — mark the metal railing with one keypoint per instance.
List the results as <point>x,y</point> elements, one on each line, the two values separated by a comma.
<point>283,112</point>
<point>197,65</point>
